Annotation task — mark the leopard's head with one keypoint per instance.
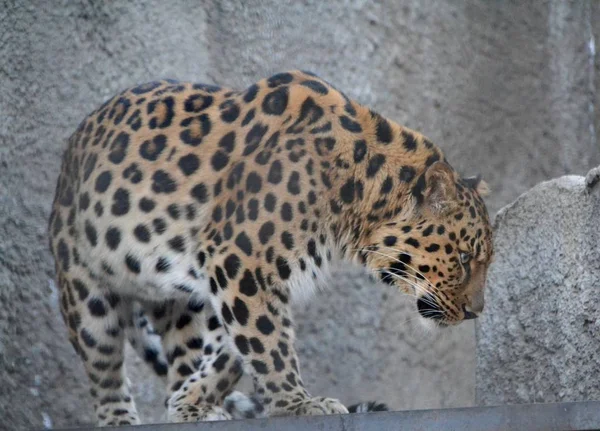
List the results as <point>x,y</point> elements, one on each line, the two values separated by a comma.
<point>439,251</point>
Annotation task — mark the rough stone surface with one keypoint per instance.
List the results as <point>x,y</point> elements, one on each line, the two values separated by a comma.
<point>540,336</point>
<point>506,88</point>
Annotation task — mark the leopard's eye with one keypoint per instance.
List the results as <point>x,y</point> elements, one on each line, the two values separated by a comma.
<point>465,257</point>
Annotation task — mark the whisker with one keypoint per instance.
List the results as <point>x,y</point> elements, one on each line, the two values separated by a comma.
<point>429,284</point>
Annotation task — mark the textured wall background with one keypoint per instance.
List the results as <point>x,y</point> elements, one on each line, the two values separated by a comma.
<point>540,337</point>
<point>508,89</point>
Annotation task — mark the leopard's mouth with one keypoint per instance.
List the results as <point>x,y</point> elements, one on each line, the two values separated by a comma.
<point>429,309</point>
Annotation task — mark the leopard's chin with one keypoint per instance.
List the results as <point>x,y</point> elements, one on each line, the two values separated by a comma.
<point>432,325</point>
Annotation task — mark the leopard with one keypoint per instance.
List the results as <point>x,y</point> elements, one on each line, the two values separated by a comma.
<point>211,211</point>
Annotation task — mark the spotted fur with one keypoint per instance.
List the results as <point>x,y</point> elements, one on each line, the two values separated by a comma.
<point>213,209</point>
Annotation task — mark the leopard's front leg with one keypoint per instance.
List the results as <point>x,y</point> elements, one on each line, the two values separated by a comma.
<point>258,319</point>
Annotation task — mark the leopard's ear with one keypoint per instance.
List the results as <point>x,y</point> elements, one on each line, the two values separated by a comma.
<point>477,184</point>
<point>440,190</point>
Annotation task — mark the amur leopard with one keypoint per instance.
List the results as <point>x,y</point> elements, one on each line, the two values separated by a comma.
<point>187,217</point>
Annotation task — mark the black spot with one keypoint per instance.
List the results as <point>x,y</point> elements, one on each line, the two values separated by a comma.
<point>230,111</point>
<point>389,240</point>
<point>226,313</point>
<point>103,181</point>
<point>428,230</point>
<point>432,248</point>
<point>384,131</point>
<point>133,173</point>
<point>275,172</point>
<point>87,338</point>
<point>250,93</point>
<point>257,345</point>
<point>89,165</point>
<point>162,265</point>
<point>142,233</point>
<point>288,240</point>
<point>253,182</point>
<point>221,277</point>
<point>177,243</point>
<point>162,182</point>
<point>146,205</point>
<point>200,193</point>
<point>418,188</point>
<point>279,79</point>
<point>275,102</point>
<point>375,164</point>
<point>315,86</point>
<point>196,129</point>
<point>247,284</point>
<point>151,150</point>
<point>113,238</point>
<point>347,191</point>
<point>82,290</point>
<point>232,265</point>
<point>277,361</point>
<point>173,211</point>
<point>195,343</point>
<point>409,141</point>
<point>66,196</point>
<point>413,242</point>
<point>132,263</point>
<point>244,243</point>
<point>360,151</point>
<point>308,111</point>
<point>96,307</point>
<point>189,164</point>
<point>118,148</point>
<point>201,257</point>
<point>241,343</point>
<point>166,109</point>
<point>84,202</point>
<point>283,268</point>
<point>293,185</point>
<point>240,311</point>
<point>264,325</point>
<point>249,117</point>
<point>146,88</point>
<point>266,231</point>
<point>254,137</point>
<point>407,173</point>
<point>432,159</point>
<point>195,305</point>
<point>160,226</point>
<point>219,160</point>
<point>184,370</point>
<point>90,233</point>
<point>197,102</point>
<point>270,202</point>
<point>183,321</point>
<point>227,142</point>
<point>235,176</point>
<point>221,361</point>
<point>259,366</point>
<point>120,204</point>
<point>287,212</point>
<point>350,125</point>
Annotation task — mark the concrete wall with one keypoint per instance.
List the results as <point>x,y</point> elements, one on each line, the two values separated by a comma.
<point>540,336</point>
<point>506,88</point>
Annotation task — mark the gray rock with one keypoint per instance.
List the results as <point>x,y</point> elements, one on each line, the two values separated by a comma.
<point>539,338</point>
<point>505,88</point>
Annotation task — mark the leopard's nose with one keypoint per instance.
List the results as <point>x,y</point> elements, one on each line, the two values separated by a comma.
<point>469,313</point>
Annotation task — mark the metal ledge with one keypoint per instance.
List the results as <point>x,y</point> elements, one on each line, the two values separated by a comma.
<point>577,416</point>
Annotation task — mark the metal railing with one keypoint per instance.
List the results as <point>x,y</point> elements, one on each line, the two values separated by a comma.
<point>576,416</point>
